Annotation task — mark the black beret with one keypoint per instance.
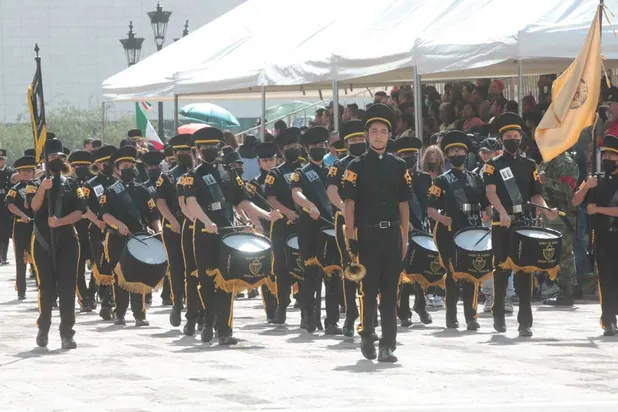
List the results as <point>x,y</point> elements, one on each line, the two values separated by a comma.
<point>125,153</point>
<point>381,113</point>
<point>610,142</point>
<point>152,158</point>
<point>339,146</point>
<point>66,150</point>
<point>207,135</point>
<point>232,157</point>
<point>352,128</point>
<point>168,151</point>
<point>96,143</point>
<point>104,153</point>
<point>125,142</point>
<point>30,152</point>
<point>508,121</point>
<point>267,150</point>
<point>135,133</point>
<point>80,157</point>
<point>288,136</point>
<point>250,141</point>
<point>454,138</point>
<point>408,144</point>
<point>315,135</point>
<point>181,141</point>
<point>53,146</point>
<point>2,153</point>
<point>25,162</point>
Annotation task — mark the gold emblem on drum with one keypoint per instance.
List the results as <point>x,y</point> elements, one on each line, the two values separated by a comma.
<point>255,266</point>
<point>479,263</point>
<point>549,251</point>
<point>435,265</point>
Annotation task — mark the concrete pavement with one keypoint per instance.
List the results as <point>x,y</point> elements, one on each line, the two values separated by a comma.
<point>566,366</point>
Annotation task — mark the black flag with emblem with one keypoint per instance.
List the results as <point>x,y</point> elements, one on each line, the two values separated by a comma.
<point>36,106</point>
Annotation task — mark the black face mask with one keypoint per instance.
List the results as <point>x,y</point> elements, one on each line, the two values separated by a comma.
<point>82,173</point>
<point>317,153</point>
<point>153,174</point>
<point>512,145</point>
<point>341,155</point>
<point>107,170</point>
<point>357,149</point>
<point>457,161</point>
<point>432,166</point>
<point>238,171</point>
<point>410,162</point>
<point>608,165</point>
<point>210,155</point>
<point>185,160</point>
<point>291,154</point>
<point>56,166</point>
<point>127,175</point>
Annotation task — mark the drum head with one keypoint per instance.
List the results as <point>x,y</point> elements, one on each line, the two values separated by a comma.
<point>246,242</point>
<point>330,232</point>
<point>152,252</point>
<point>467,240</point>
<point>293,242</point>
<point>537,233</point>
<point>424,241</point>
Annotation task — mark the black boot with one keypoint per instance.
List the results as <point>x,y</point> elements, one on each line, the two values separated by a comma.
<point>207,334</point>
<point>452,323</point>
<point>175,316</point>
<point>105,313</point>
<point>406,323</point>
<point>386,355</point>
<point>473,326</point>
<point>189,328</point>
<point>425,317</point>
<point>149,299</point>
<point>68,343</point>
<point>141,322</point>
<point>610,330</point>
<point>42,339</point>
<point>333,330</point>
<point>499,324</point>
<point>280,315</point>
<point>525,332</point>
<point>120,321</point>
<point>348,328</point>
<point>368,348</point>
<point>227,340</point>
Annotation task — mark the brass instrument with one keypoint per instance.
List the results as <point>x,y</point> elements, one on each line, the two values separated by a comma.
<point>94,169</point>
<point>353,271</point>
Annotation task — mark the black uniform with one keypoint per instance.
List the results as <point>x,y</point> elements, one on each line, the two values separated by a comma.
<point>22,235</point>
<point>516,180</point>
<point>66,198</point>
<point>277,184</point>
<point>132,204</point>
<point>6,217</point>
<point>378,183</point>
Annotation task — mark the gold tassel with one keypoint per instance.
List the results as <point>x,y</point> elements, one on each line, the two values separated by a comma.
<point>271,284</point>
<point>425,283</point>
<point>403,279</point>
<point>295,276</point>
<point>466,277</point>
<point>294,288</point>
<point>235,285</point>
<point>132,287</point>
<point>510,265</point>
<point>312,262</point>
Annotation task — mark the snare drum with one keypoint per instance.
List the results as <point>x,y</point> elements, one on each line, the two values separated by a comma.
<point>328,253</point>
<point>293,260</point>
<point>142,264</point>
<point>422,262</point>
<point>535,249</point>
<point>245,261</point>
<point>474,258</point>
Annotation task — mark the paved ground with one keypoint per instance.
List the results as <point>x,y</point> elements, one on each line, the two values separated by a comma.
<point>567,366</point>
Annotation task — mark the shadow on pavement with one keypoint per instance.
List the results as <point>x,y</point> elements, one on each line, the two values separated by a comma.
<point>255,326</point>
<point>167,334</point>
<point>344,345</point>
<point>281,331</point>
<point>366,366</point>
<point>39,352</point>
<point>556,309</point>
<point>214,347</point>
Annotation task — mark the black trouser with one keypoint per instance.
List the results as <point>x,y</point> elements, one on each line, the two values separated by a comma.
<point>280,231</point>
<point>6,225</point>
<point>607,266</point>
<point>380,253</point>
<point>60,282</point>
<point>420,304</point>
<point>22,236</point>
<point>501,240</point>
<point>270,302</point>
<point>173,248</point>
<point>217,302</point>
<point>348,287</point>
<point>102,268</point>
<point>193,293</point>
<point>115,246</point>
<point>85,254</point>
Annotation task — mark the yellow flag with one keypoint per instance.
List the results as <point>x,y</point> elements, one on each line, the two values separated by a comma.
<point>575,96</point>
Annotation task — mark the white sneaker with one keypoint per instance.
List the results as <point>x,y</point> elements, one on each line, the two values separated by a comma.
<point>508,305</point>
<point>489,301</point>
<point>435,301</point>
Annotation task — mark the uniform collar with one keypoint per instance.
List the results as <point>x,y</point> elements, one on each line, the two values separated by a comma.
<point>371,154</point>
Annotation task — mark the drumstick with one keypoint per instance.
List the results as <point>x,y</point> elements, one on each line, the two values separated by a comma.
<point>483,237</point>
<point>560,212</point>
<point>320,217</point>
<point>234,227</point>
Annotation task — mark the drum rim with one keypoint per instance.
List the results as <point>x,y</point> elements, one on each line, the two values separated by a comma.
<point>423,234</point>
<point>466,229</point>
<point>323,229</point>
<point>539,228</point>
<point>247,233</point>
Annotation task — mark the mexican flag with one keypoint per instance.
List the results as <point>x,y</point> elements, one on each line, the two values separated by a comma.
<point>146,127</point>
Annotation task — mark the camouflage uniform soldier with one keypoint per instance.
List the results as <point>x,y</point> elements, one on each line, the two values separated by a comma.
<point>559,179</point>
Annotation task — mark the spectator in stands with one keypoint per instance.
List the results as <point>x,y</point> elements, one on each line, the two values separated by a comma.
<point>446,96</point>
<point>447,117</point>
<point>511,106</point>
<point>350,112</point>
<point>470,117</point>
<point>88,145</point>
<point>279,127</point>
<point>467,92</point>
<point>96,144</point>
<point>497,106</point>
<point>496,88</point>
<point>484,111</point>
<point>319,116</point>
<point>248,154</point>
<point>380,97</point>
<point>230,139</point>
<point>528,104</point>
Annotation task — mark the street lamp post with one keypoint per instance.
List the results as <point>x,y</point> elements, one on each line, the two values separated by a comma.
<point>185,32</point>
<point>132,46</point>
<point>159,20</point>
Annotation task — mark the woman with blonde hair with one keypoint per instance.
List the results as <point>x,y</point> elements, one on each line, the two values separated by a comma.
<point>433,161</point>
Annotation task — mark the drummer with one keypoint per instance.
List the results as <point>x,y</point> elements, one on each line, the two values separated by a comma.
<point>267,160</point>
<point>93,191</point>
<point>460,196</point>
<point>309,193</point>
<point>353,134</point>
<point>279,194</point>
<point>211,194</point>
<point>127,208</point>
<point>407,148</point>
<point>173,219</point>
<point>511,181</point>
<point>80,162</point>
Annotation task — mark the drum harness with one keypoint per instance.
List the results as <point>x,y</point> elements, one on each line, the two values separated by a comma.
<point>469,210</point>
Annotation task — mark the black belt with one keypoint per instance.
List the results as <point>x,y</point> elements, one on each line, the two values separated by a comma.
<point>385,224</point>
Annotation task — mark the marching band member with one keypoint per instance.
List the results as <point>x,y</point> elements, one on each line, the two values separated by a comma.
<point>377,188</point>
<point>126,207</point>
<point>57,273</point>
<point>7,179</point>
<point>22,221</point>
<point>510,182</point>
<point>460,195</point>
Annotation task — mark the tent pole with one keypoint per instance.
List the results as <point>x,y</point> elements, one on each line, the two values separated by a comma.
<point>175,114</point>
<point>263,129</point>
<point>418,103</point>
<point>336,105</point>
<point>102,137</point>
<point>520,87</point>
